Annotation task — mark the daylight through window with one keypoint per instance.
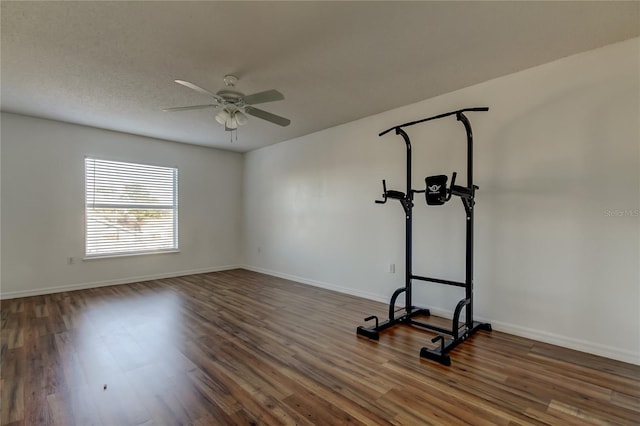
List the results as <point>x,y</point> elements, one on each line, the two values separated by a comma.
<point>130,208</point>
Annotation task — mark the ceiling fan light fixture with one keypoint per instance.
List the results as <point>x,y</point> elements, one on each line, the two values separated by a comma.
<point>231,124</point>
<point>240,117</point>
<point>223,116</point>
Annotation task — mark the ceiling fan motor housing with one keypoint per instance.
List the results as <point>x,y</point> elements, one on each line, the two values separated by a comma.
<point>231,96</point>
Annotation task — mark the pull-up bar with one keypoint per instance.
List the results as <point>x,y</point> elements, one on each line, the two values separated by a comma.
<point>435,117</point>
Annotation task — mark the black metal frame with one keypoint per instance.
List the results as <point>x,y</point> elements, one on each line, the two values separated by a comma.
<point>448,339</point>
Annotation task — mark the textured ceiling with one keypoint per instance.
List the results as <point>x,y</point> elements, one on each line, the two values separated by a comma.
<point>112,64</point>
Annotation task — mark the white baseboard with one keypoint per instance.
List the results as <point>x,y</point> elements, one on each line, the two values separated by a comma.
<point>516,330</point>
<point>566,342</point>
<point>80,286</point>
<point>321,284</point>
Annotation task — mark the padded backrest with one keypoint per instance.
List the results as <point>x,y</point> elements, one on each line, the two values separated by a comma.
<point>436,192</point>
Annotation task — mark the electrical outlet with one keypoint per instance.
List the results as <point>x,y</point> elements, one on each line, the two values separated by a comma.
<point>392,268</point>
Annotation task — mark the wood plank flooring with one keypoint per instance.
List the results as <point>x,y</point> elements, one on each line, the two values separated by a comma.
<point>241,348</point>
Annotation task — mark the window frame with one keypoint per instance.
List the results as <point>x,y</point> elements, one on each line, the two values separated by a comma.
<point>173,207</point>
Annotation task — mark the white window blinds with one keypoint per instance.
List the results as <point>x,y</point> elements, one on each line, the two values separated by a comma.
<point>130,208</point>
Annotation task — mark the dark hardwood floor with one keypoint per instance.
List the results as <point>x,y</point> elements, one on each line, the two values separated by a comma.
<point>243,348</point>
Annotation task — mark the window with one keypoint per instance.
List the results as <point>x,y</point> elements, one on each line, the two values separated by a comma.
<point>130,208</point>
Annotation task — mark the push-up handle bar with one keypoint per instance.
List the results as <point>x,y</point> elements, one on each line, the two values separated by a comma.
<point>435,117</point>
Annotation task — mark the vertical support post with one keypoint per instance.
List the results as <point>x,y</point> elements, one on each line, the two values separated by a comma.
<point>469,207</point>
<point>408,225</point>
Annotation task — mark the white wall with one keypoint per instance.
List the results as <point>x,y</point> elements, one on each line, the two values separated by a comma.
<point>557,237</point>
<point>43,206</point>
<point>558,233</point>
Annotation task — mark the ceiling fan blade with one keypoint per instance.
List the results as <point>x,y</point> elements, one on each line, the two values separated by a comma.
<point>185,108</point>
<point>199,89</point>
<point>275,119</point>
<point>261,97</point>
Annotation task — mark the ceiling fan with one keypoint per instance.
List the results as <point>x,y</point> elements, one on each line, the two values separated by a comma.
<point>235,105</point>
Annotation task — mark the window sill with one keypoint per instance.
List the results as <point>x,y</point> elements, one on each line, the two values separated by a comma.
<point>113,256</point>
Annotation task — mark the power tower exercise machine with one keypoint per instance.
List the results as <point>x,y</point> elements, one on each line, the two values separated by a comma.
<point>436,193</point>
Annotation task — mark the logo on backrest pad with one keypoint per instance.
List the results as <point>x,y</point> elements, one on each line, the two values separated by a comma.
<point>434,188</point>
